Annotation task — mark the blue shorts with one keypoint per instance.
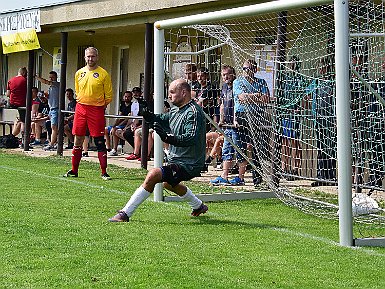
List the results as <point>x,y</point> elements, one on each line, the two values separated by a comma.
<point>109,128</point>
<point>54,116</point>
<point>290,128</point>
<point>228,149</point>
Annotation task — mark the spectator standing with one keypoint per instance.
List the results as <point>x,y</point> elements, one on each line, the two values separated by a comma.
<point>93,89</point>
<point>184,129</point>
<point>376,113</point>
<point>293,88</point>
<point>17,94</point>
<point>321,91</point>
<point>227,121</point>
<point>251,94</point>
<point>53,102</point>
<point>207,96</point>
<point>190,74</point>
<point>358,93</point>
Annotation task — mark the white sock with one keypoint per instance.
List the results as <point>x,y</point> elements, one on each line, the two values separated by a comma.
<point>136,199</point>
<point>192,200</point>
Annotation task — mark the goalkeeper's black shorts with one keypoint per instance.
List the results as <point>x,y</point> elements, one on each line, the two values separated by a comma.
<point>174,174</point>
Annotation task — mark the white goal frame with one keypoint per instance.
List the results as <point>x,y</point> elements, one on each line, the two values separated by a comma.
<point>341,12</point>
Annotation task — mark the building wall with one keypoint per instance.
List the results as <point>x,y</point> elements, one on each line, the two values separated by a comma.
<point>16,61</point>
<point>97,9</point>
<point>116,24</point>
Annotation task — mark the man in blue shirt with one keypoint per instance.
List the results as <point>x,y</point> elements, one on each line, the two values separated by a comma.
<point>227,120</point>
<point>53,102</point>
<point>251,94</point>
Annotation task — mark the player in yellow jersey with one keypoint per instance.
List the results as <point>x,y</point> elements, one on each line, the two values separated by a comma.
<point>93,93</point>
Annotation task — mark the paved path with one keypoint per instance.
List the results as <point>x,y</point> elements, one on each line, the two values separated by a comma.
<point>205,178</point>
<point>122,162</point>
<point>93,157</point>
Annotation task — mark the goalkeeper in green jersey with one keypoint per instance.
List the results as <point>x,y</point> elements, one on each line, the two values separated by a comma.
<point>183,128</point>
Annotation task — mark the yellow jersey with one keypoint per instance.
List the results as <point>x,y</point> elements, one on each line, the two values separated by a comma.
<point>93,87</point>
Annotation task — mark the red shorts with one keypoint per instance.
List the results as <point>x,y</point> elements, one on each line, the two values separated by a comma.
<point>89,116</point>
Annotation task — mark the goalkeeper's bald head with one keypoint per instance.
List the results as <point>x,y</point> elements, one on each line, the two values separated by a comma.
<point>182,84</point>
<point>179,92</point>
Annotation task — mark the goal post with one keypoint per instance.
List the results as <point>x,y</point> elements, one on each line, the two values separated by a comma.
<point>256,9</point>
<point>158,102</point>
<point>159,50</point>
<point>330,41</point>
<point>341,12</point>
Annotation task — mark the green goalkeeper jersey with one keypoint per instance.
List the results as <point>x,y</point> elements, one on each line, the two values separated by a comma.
<point>187,124</point>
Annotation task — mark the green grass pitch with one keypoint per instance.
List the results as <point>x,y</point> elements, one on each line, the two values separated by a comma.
<point>54,234</point>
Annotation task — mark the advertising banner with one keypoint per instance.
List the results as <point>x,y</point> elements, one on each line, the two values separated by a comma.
<point>56,60</point>
<point>20,21</point>
<point>18,31</point>
<point>20,41</point>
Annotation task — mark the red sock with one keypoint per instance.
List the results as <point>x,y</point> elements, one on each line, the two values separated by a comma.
<point>103,161</point>
<point>76,157</point>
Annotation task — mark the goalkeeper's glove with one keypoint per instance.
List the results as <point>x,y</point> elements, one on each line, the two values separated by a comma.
<point>145,111</point>
<point>164,136</point>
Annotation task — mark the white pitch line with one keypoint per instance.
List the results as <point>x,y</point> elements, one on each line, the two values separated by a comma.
<point>299,234</point>
<point>286,231</point>
<point>327,241</point>
<point>72,180</point>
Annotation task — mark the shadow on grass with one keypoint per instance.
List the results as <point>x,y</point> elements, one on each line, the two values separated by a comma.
<point>127,178</point>
<point>208,220</point>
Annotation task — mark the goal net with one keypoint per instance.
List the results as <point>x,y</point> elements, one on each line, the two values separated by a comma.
<point>286,122</point>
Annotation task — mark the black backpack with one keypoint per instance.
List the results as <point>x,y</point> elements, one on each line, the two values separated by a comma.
<point>9,141</point>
